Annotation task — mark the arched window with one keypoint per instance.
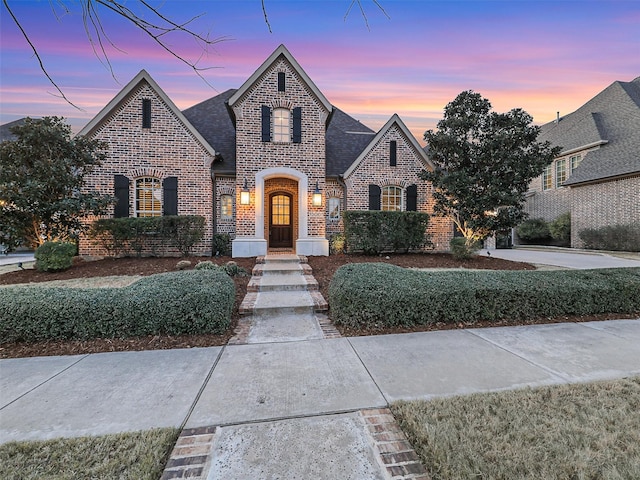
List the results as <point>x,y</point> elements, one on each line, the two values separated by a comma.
<point>281,125</point>
<point>392,199</point>
<point>148,197</point>
<point>226,207</point>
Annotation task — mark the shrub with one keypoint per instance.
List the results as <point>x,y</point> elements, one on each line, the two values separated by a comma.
<point>207,265</point>
<point>174,303</point>
<point>54,256</point>
<point>381,295</point>
<point>624,238</point>
<point>137,234</point>
<point>460,250</point>
<point>534,229</point>
<point>233,269</point>
<point>373,232</point>
<point>560,229</point>
<point>336,244</point>
<point>221,244</point>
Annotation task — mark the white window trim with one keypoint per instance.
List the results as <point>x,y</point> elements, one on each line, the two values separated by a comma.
<point>402,198</point>
<point>224,216</point>
<point>339,201</point>
<point>285,135</point>
<point>156,191</point>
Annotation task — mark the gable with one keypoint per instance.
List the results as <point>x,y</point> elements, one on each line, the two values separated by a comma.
<point>379,148</point>
<point>280,60</point>
<point>128,107</point>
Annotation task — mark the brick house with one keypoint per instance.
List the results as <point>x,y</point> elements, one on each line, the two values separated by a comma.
<point>596,177</point>
<point>272,163</point>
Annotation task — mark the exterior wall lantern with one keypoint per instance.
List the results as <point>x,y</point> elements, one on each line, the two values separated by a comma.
<point>317,197</point>
<point>244,194</point>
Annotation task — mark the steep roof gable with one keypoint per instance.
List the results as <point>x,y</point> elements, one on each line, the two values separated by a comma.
<point>124,94</point>
<point>281,51</point>
<point>395,119</point>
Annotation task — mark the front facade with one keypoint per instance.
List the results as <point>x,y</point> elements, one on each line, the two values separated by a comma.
<point>596,177</point>
<point>273,164</point>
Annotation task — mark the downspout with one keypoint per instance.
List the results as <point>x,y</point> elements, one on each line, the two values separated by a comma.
<point>344,190</point>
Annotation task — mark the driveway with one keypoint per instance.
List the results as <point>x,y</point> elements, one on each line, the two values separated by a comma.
<point>563,258</point>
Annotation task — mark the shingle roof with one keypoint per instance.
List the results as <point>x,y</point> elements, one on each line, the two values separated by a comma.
<point>211,118</point>
<point>611,119</point>
<point>5,129</point>
<point>346,137</point>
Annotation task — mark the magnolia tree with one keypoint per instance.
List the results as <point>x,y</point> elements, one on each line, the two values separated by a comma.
<point>484,162</point>
<point>41,183</point>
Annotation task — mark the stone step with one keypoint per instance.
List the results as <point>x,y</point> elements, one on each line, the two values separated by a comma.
<point>277,303</point>
<point>281,268</point>
<point>282,282</point>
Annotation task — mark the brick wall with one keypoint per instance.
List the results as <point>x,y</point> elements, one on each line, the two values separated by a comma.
<point>375,169</point>
<point>253,155</point>
<point>601,204</point>
<point>167,149</point>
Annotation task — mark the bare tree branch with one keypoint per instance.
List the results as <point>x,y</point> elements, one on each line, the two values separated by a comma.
<point>364,15</point>
<point>266,18</point>
<point>37,55</point>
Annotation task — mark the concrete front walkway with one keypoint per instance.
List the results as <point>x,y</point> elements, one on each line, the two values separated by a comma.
<point>295,390</point>
<point>288,397</point>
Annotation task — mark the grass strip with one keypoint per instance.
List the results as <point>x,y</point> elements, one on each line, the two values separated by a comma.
<point>136,456</point>
<point>584,431</point>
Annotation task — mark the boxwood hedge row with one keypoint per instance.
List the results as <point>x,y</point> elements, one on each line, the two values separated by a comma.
<point>382,295</point>
<point>175,303</point>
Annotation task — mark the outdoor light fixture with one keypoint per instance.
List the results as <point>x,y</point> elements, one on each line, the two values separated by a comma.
<point>317,196</point>
<point>244,194</point>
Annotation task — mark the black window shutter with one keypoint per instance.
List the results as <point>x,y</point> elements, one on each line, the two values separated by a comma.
<point>374,197</point>
<point>412,198</point>
<point>146,113</point>
<point>297,125</point>
<point>170,193</point>
<point>281,81</point>
<point>121,192</point>
<point>266,123</point>
<point>393,147</point>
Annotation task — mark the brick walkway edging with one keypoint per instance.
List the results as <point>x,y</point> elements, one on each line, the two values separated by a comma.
<point>191,456</point>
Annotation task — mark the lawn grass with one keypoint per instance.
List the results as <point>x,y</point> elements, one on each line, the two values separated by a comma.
<point>585,431</point>
<point>136,456</point>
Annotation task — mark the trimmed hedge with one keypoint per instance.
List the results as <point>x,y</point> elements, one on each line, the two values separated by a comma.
<point>374,231</point>
<point>625,238</point>
<point>55,256</point>
<point>381,295</point>
<point>174,303</point>
<point>125,236</point>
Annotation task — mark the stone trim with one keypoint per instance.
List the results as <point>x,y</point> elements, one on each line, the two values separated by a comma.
<point>191,454</point>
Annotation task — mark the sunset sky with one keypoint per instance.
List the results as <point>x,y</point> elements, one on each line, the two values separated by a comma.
<point>543,56</point>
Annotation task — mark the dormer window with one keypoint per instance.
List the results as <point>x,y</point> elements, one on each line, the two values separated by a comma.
<point>146,113</point>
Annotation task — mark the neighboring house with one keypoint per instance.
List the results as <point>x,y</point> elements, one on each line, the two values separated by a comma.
<point>273,163</point>
<point>5,129</point>
<point>596,177</point>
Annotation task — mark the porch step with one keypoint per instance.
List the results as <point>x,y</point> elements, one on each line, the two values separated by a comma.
<point>275,303</point>
<point>281,268</point>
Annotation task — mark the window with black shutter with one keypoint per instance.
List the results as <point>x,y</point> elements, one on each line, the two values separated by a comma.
<point>412,198</point>
<point>170,196</point>
<point>374,197</point>
<point>121,192</point>
<point>146,113</point>
<point>297,125</point>
<point>393,147</point>
<point>281,81</point>
<point>266,123</point>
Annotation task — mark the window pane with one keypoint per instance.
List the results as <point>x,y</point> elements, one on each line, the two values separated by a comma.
<point>281,125</point>
<point>148,197</point>
<point>575,161</point>
<point>391,199</point>
<point>226,207</point>
<point>280,210</point>
<point>547,181</point>
<point>561,172</point>
<point>334,208</point>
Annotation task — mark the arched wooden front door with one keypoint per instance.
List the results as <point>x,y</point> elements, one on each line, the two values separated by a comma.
<point>280,220</point>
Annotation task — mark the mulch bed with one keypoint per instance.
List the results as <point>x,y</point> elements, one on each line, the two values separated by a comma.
<point>323,270</point>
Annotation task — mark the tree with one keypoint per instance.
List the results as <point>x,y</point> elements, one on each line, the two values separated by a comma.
<point>41,180</point>
<point>484,162</point>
